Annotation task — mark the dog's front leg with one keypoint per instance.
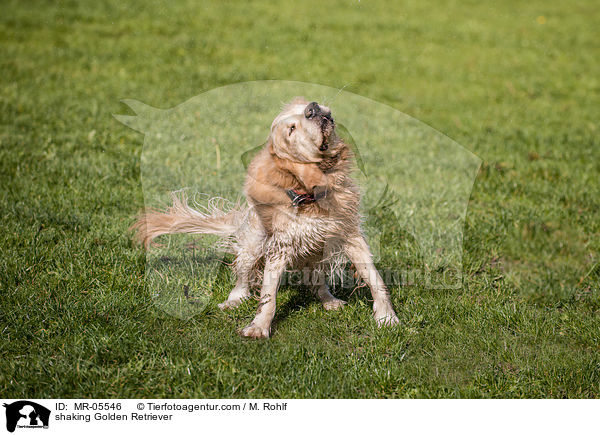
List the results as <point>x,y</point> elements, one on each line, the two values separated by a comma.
<point>359,253</point>
<point>261,325</point>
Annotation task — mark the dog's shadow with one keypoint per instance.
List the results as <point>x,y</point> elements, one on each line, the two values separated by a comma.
<point>300,296</point>
<point>297,298</point>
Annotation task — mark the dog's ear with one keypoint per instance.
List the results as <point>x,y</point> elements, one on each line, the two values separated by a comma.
<point>271,145</point>
<point>275,147</point>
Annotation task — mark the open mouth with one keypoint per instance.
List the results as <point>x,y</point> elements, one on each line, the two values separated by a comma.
<point>327,126</point>
<point>314,112</point>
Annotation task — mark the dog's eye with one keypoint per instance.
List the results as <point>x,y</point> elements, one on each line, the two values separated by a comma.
<point>292,128</point>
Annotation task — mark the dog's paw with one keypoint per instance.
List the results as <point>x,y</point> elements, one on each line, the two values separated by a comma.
<point>384,314</point>
<point>254,331</point>
<point>387,321</point>
<point>334,304</point>
<point>230,304</point>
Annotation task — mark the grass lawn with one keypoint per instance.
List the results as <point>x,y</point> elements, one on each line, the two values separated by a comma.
<point>515,83</point>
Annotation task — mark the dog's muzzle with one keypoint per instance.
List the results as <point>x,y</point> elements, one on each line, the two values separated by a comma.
<point>326,122</point>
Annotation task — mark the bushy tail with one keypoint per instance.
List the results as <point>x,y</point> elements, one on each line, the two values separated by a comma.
<point>181,218</point>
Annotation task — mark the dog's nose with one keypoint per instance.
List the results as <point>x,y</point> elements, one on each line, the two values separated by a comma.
<point>312,110</point>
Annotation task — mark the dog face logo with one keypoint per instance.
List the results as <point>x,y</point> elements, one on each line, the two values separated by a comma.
<point>26,414</point>
<point>415,183</point>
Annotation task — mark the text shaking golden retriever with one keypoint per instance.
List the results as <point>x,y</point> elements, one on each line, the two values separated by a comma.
<point>302,212</point>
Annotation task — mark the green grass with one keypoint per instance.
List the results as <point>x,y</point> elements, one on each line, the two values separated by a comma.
<point>516,83</point>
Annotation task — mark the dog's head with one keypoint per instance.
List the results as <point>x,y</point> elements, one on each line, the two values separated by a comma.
<point>303,132</point>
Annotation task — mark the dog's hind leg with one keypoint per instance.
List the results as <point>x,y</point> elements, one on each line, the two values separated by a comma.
<point>239,294</point>
<point>358,252</point>
<point>245,261</point>
<point>248,253</point>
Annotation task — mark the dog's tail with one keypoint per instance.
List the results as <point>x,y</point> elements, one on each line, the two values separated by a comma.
<point>181,218</point>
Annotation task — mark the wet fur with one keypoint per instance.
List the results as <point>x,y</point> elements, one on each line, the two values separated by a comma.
<point>268,235</point>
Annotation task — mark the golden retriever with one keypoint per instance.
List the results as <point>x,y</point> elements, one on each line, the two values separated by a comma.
<point>302,211</point>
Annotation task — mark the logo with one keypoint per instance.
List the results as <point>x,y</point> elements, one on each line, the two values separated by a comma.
<point>416,184</point>
<point>26,414</point>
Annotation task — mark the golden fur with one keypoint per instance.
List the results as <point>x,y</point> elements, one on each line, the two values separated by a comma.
<point>270,234</point>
